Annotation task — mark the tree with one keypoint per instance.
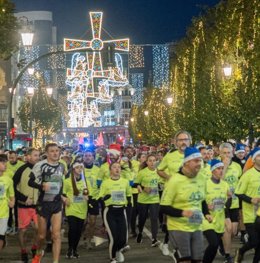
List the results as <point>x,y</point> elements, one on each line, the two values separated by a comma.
<point>9,36</point>
<point>46,114</point>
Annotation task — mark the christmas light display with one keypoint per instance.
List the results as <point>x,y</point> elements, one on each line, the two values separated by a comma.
<point>160,65</point>
<point>56,61</point>
<point>136,57</point>
<point>89,83</point>
<point>137,81</point>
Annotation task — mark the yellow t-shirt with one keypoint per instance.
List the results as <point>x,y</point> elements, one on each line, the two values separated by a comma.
<point>184,193</point>
<point>91,178</point>
<point>172,161</point>
<point>233,173</point>
<point>78,204</point>
<point>6,191</point>
<point>148,178</point>
<point>11,169</point>
<point>216,195</point>
<point>104,172</point>
<point>118,190</point>
<point>249,184</point>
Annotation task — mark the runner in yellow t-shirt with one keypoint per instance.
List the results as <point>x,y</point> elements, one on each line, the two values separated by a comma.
<point>147,182</point>
<point>183,202</point>
<point>116,194</point>
<point>6,199</point>
<point>248,190</point>
<point>216,195</point>
<point>75,191</point>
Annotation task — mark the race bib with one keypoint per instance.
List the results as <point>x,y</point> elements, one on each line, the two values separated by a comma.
<point>232,190</point>
<point>196,218</point>
<point>154,191</point>
<point>2,190</point>
<point>54,188</point>
<point>78,199</point>
<point>118,196</point>
<point>218,204</point>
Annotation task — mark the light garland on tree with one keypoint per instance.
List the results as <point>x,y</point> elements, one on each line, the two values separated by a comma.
<point>84,94</point>
<point>160,65</point>
<point>136,57</point>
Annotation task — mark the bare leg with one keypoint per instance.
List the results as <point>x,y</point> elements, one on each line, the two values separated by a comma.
<point>56,237</point>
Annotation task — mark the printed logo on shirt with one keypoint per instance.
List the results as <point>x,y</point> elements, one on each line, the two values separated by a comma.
<point>195,196</point>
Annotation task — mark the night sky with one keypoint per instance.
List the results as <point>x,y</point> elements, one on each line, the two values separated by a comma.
<point>143,21</point>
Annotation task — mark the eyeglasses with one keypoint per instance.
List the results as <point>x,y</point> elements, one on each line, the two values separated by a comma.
<point>183,140</point>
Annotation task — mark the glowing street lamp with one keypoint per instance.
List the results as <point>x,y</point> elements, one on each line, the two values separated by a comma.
<point>30,91</point>
<point>132,119</point>
<point>146,112</point>
<point>27,34</point>
<point>31,71</point>
<point>49,90</point>
<point>227,70</point>
<point>169,100</point>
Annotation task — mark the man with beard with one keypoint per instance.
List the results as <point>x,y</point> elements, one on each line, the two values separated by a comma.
<point>26,199</point>
<point>170,165</point>
<point>185,206</point>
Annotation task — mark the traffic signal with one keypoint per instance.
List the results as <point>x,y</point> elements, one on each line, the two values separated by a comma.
<point>13,133</point>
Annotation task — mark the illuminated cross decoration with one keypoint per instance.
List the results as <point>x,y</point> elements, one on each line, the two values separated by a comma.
<point>94,62</point>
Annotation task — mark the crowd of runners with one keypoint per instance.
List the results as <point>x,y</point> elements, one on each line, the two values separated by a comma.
<point>192,192</point>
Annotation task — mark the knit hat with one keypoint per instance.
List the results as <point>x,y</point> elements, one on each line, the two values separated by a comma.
<point>191,153</point>
<point>255,152</point>
<point>240,148</point>
<point>115,149</point>
<point>215,163</point>
<point>200,145</point>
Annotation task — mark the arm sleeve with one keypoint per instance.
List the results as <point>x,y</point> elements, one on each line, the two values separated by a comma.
<point>35,180</point>
<point>244,198</point>
<point>170,211</point>
<point>205,209</point>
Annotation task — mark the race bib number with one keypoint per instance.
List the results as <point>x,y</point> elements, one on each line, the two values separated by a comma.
<point>54,188</point>
<point>196,218</point>
<point>232,190</point>
<point>78,199</point>
<point>118,196</point>
<point>218,204</point>
<point>2,190</point>
<point>154,191</point>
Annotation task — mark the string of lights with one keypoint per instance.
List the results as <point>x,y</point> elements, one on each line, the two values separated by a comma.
<point>137,81</point>
<point>136,56</point>
<point>160,65</point>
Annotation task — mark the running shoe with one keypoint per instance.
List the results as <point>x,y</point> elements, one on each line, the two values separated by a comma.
<point>24,257</point>
<point>155,243</point>
<point>139,238</point>
<point>228,259</point>
<point>75,254</point>
<point>37,258</point>
<point>120,257</point>
<point>69,254</point>
<point>238,257</point>
<point>165,249</point>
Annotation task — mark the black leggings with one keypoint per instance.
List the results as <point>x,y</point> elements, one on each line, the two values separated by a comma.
<point>214,240</point>
<point>116,225</point>
<point>253,231</point>
<point>134,214</point>
<point>75,228</point>
<point>143,213</point>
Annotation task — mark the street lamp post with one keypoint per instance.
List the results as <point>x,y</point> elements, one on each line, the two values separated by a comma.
<point>27,39</point>
<point>30,91</point>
